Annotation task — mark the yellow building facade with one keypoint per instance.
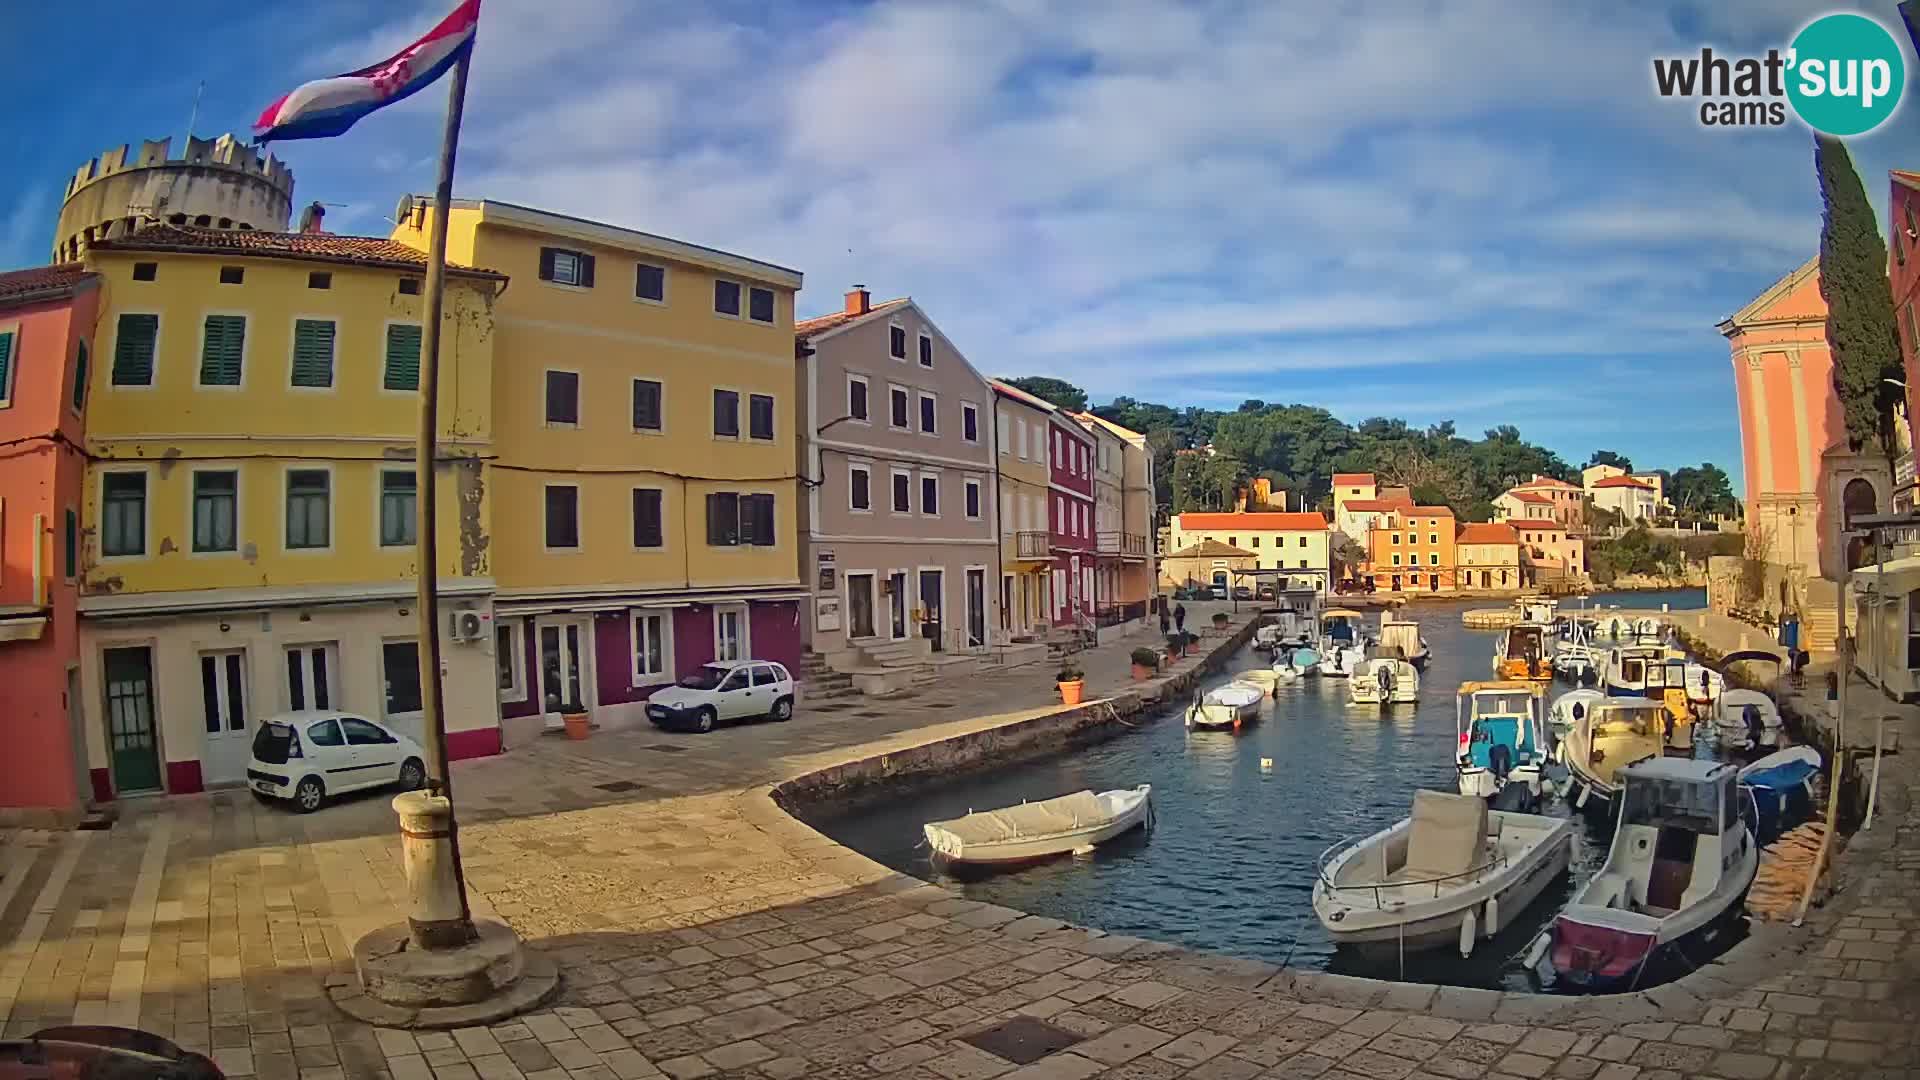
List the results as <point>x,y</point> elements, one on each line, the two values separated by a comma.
<point>644,435</point>
<point>1023,477</point>
<point>249,508</point>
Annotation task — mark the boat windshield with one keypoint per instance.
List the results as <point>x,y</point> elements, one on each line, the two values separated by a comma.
<point>1678,804</point>
<point>1501,703</point>
<point>1620,722</point>
<point>1523,641</point>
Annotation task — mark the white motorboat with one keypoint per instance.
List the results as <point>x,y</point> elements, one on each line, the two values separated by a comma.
<point>1267,638</point>
<point>1452,873</point>
<point>1630,669</point>
<point>1038,830</point>
<point>1746,719</point>
<point>1703,683</point>
<point>1232,706</point>
<point>1341,645</point>
<point>1404,634</point>
<point>1285,673</point>
<point>1384,680</point>
<point>1615,733</point>
<point>1649,628</point>
<point>1500,749</point>
<point>1568,709</point>
<point>1520,652</point>
<point>1539,610</point>
<point>1682,856</point>
<point>1268,678</point>
<point>1576,664</point>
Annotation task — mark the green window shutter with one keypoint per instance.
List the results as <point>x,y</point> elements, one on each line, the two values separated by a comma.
<point>133,350</point>
<point>225,340</point>
<point>80,377</point>
<point>403,357</point>
<point>6,366</point>
<point>312,352</point>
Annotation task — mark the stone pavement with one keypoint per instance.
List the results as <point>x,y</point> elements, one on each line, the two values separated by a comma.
<point>704,933</point>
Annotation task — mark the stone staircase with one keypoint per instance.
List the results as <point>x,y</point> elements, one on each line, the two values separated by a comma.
<point>819,682</point>
<point>883,669</point>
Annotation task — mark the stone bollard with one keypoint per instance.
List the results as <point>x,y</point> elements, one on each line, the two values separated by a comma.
<point>433,896</point>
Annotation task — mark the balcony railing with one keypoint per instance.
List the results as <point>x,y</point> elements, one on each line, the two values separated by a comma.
<point>1123,544</point>
<point>1032,544</point>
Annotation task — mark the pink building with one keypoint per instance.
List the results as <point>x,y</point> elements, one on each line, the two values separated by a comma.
<point>1903,274</point>
<point>46,317</point>
<point>1070,516</point>
<point>1548,551</point>
<point>1546,496</point>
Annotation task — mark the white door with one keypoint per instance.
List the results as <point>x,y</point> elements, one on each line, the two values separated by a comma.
<point>324,750</point>
<point>734,696</point>
<point>566,663</point>
<point>313,676</point>
<point>223,699</point>
<point>376,754</point>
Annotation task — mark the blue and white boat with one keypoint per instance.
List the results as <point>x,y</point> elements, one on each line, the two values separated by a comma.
<point>1781,787</point>
<point>1501,744</point>
<point>1631,669</point>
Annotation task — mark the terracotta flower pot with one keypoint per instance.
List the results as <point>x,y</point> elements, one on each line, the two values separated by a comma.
<point>1070,691</point>
<point>578,726</point>
<point>1141,674</point>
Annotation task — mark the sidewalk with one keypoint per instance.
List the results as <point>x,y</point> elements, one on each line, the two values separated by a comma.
<point>704,933</point>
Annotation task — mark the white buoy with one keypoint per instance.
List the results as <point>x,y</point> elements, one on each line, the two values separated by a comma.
<point>1266,764</point>
<point>1493,915</point>
<point>1581,802</point>
<point>1468,932</point>
<point>1538,950</point>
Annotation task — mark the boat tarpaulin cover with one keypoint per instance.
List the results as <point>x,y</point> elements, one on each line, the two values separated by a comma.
<point>1447,836</point>
<point>1080,810</point>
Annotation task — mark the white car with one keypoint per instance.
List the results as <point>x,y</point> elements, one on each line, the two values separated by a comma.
<point>311,755</point>
<point>739,690</point>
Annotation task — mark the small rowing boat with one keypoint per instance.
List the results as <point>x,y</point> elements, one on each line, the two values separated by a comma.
<point>1039,830</point>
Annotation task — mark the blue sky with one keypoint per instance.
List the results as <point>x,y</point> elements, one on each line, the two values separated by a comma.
<point>1472,211</point>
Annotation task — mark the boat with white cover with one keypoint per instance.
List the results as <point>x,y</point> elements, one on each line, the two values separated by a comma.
<point>1404,634</point>
<point>1614,733</point>
<point>1039,830</point>
<point>1384,680</point>
<point>1342,646</point>
<point>1451,873</point>
<point>1746,719</point>
<point>1682,856</point>
<point>1226,707</point>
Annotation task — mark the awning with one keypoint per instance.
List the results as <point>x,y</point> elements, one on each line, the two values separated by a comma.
<point>22,625</point>
<point>1891,578</point>
<point>585,604</point>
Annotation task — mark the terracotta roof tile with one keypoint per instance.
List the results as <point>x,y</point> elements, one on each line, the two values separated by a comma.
<point>820,324</point>
<point>1360,478</point>
<point>1528,496</point>
<point>311,247</point>
<point>1536,523</point>
<point>1255,522</point>
<point>1545,482</point>
<point>1489,532</point>
<point>1430,511</point>
<point>38,281</point>
<point>1622,482</point>
<point>1375,506</point>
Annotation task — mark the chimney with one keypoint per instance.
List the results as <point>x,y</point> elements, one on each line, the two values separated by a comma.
<point>310,218</point>
<point>859,300</point>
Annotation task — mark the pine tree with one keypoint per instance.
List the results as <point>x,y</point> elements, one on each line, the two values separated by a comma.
<point>1853,280</point>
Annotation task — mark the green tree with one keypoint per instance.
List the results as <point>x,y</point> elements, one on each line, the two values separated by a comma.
<point>1608,457</point>
<point>1702,489</point>
<point>1853,280</point>
<point>1057,391</point>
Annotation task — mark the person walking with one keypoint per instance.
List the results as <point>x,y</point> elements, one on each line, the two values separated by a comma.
<point>1166,621</point>
<point>1180,617</point>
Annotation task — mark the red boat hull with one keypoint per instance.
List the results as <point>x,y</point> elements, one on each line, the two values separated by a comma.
<point>1596,956</point>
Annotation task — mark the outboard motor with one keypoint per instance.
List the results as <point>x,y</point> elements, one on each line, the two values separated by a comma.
<point>1384,677</point>
<point>1500,761</point>
<point>1750,714</point>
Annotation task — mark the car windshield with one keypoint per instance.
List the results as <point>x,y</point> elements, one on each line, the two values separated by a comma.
<point>271,743</point>
<point>704,678</point>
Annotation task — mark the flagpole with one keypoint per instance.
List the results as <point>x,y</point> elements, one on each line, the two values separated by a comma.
<point>427,555</point>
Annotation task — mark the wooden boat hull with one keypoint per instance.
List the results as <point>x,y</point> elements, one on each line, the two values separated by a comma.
<point>952,850</point>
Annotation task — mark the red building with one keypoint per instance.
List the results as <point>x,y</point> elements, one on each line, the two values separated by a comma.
<point>1903,275</point>
<point>46,317</point>
<point>1070,517</point>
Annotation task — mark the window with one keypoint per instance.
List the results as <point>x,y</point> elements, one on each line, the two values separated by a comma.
<point>326,733</point>
<point>930,495</point>
<point>222,345</point>
<point>929,415</point>
<point>232,275</point>
<point>857,397</point>
<point>760,304</point>
<point>1060,517</point>
<point>970,422</point>
<point>726,413</point>
<point>80,358</point>
<point>1393,538</point>
<point>648,518</point>
<point>646,405</point>
<point>563,517</point>
<point>730,634</point>
<point>71,555</point>
<point>650,283</point>
<point>1396,558</point>
<point>319,279</point>
<point>897,342</point>
<point>1303,541</point>
<point>726,298</point>
<point>652,656</point>
<point>563,397</point>
<point>1003,430</point>
<point>1433,558</point>
<point>508,662</point>
<point>926,350</point>
<point>402,371</point>
<point>398,507</point>
<point>123,513</point>
<point>7,351</point>
<point>973,500</point>
<point>223,692</point>
<point>1057,458</point>
<point>1255,544</point>
<point>309,508</point>
<point>310,676</point>
<point>902,493</point>
<point>400,670</point>
<point>313,352</point>
<point>564,267</point>
<point>145,271</point>
<point>409,286</point>
<point>1303,564</point>
<point>1233,541</point>
<point>897,403</point>
<point>1433,538</point>
<point>735,520</point>
<point>860,488</point>
<point>215,499</point>
<point>760,416</point>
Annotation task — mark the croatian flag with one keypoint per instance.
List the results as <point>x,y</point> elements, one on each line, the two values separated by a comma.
<point>327,107</point>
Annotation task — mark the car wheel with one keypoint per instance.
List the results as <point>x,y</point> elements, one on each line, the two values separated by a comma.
<point>309,794</point>
<point>782,709</point>
<point>703,720</point>
<point>412,774</point>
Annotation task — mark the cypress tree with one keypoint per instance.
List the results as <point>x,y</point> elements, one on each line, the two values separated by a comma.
<point>1853,280</point>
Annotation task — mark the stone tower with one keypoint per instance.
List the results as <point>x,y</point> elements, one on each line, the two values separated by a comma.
<point>219,183</point>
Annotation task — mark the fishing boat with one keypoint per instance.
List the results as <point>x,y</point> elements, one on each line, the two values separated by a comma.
<point>1576,663</point>
<point>1386,679</point>
<point>1305,661</point>
<point>1568,708</point>
<point>1650,629</point>
<point>1780,787</point>
<point>1743,718</point>
<point>1682,855</point>
<point>1228,707</point>
<point>1039,830</point>
<point>1267,638</point>
<point>1291,628</point>
<point>1451,873</point>
<point>1627,668</point>
<point>1538,610</point>
<point>1520,652</point>
<point>1342,647</point>
<point>1703,684</point>
<point>1404,634</point>
<point>1500,743</point>
<point>1614,733</point>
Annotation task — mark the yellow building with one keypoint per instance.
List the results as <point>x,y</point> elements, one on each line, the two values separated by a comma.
<point>644,435</point>
<point>249,502</point>
<point>1021,422</point>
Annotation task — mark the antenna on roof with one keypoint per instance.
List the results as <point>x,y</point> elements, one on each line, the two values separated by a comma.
<point>194,116</point>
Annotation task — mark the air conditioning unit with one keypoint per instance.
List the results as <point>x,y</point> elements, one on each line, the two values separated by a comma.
<point>466,626</point>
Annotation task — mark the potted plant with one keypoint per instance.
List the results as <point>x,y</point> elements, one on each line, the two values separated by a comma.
<point>1176,644</point>
<point>1145,663</point>
<point>1220,621</point>
<point>1072,682</point>
<point>574,715</point>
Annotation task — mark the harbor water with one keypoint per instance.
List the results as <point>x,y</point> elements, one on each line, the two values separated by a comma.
<point>1230,862</point>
